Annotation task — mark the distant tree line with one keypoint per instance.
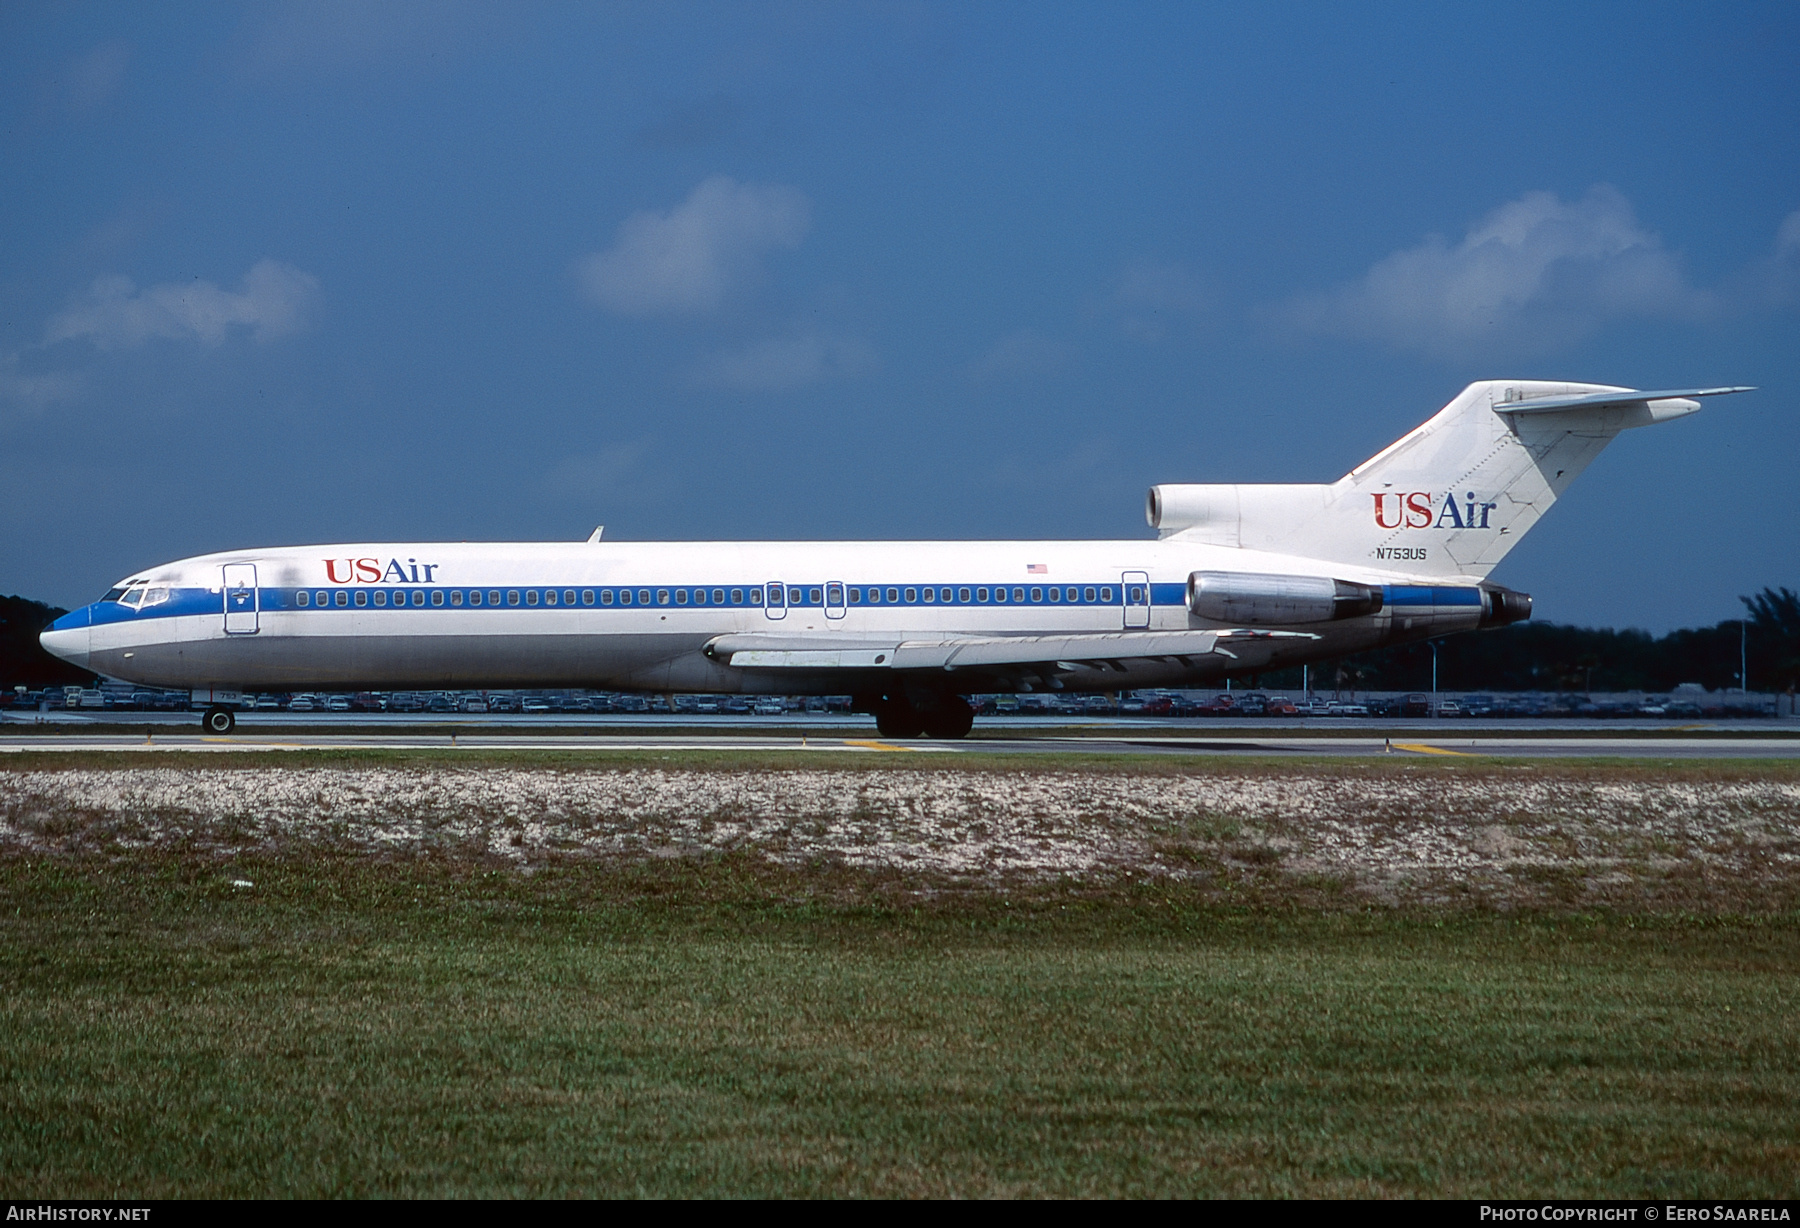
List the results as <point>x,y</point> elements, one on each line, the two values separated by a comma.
<point>1533,656</point>
<point>1524,657</point>
<point>23,661</point>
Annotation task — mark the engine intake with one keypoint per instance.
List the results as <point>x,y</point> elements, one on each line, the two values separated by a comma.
<point>1252,599</point>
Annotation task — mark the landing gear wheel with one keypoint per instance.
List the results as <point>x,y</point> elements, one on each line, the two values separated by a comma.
<point>953,720</point>
<point>219,720</point>
<point>897,720</point>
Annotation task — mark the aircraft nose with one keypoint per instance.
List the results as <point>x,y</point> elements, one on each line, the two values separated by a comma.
<point>69,637</point>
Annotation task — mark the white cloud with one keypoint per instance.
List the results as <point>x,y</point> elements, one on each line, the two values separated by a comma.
<point>275,300</point>
<point>96,76</point>
<point>1534,272</point>
<point>1782,275</point>
<point>611,472</point>
<point>1023,353</point>
<point>783,363</point>
<point>685,261</point>
<point>1149,298</point>
<point>1787,238</point>
<point>32,393</point>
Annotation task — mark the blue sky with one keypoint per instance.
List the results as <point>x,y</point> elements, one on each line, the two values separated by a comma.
<point>285,273</point>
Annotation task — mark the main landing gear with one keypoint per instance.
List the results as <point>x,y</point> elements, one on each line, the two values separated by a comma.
<point>902,716</point>
<point>219,720</point>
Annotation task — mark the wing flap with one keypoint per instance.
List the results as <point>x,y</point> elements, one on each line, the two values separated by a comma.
<point>753,650</point>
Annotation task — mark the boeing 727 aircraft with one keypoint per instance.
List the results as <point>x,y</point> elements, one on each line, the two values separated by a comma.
<point>1240,579</point>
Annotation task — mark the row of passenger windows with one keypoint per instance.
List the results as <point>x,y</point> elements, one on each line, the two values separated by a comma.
<point>778,595</point>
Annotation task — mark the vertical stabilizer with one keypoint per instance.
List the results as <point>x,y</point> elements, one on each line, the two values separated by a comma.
<point>1449,498</point>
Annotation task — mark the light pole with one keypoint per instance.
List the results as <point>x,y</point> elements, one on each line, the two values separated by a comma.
<point>1744,656</point>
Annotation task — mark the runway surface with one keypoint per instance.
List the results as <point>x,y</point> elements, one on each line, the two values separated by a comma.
<point>1277,743</point>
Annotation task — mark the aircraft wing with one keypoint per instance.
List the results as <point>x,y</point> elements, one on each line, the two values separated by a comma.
<point>763,650</point>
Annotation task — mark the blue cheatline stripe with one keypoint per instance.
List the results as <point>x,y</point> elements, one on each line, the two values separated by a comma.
<point>1436,595</point>
<point>190,601</point>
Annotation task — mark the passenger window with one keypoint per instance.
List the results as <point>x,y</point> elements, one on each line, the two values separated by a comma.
<point>1037,594</point>
<point>981,594</point>
<point>893,595</point>
<point>699,596</point>
<point>755,596</point>
<point>814,597</point>
<point>912,595</point>
<point>718,596</point>
<point>303,598</point>
<point>680,597</point>
<point>1018,594</point>
<point>643,596</point>
<point>343,598</point>
<point>1087,594</point>
<point>606,596</point>
<point>321,598</point>
<point>930,595</point>
<point>962,595</point>
<point>474,596</point>
<point>1106,594</point>
<point>856,596</point>
<point>380,596</point>
<point>624,596</point>
<point>587,596</point>
<point>418,596</point>
<point>456,596</point>
<point>437,596</point>
<point>362,597</point>
<point>549,596</point>
<point>1055,594</point>
<point>662,596</point>
<point>999,594</point>
<point>512,596</point>
<point>569,596</point>
<point>531,596</point>
<point>493,596</point>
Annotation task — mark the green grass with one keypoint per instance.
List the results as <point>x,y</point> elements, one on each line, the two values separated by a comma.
<point>348,1027</point>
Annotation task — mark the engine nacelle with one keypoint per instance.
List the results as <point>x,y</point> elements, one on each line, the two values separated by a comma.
<point>1501,607</point>
<point>1252,599</point>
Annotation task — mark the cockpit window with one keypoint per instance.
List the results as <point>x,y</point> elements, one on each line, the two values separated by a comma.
<point>113,594</point>
<point>119,594</point>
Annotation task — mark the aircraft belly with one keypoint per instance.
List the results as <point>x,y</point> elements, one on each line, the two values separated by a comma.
<point>383,662</point>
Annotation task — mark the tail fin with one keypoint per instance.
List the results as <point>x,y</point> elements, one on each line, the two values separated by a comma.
<point>1449,498</point>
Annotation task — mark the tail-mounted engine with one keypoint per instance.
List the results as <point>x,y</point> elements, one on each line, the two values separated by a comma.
<point>1503,606</point>
<point>1250,599</point>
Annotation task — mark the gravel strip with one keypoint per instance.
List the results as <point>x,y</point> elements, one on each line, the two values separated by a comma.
<point>1425,839</point>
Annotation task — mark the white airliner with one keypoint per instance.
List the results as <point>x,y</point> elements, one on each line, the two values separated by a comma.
<point>1240,580</point>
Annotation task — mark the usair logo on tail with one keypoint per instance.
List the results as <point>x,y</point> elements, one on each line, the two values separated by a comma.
<point>1417,509</point>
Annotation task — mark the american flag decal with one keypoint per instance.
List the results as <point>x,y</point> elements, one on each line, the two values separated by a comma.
<point>1036,569</point>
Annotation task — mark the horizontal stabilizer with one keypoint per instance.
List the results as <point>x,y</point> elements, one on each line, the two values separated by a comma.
<point>752,650</point>
<point>1603,400</point>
